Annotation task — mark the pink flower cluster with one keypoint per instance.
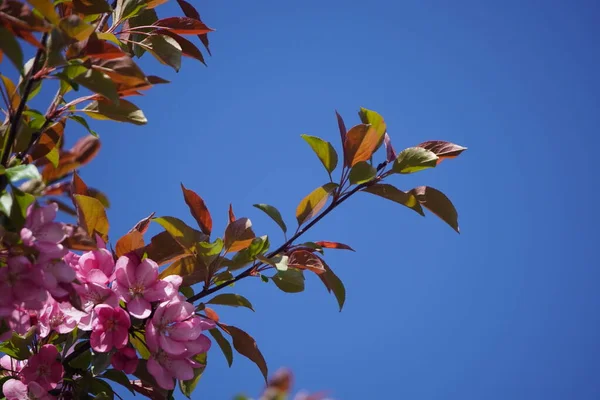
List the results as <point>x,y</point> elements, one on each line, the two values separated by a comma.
<point>109,295</point>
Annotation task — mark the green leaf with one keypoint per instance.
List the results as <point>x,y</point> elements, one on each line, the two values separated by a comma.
<point>119,377</point>
<point>18,345</point>
<point>314,202</point>
<point>223,344</point>
<point>20,204</point>
<point>246,346</point>
<point>6,202</point>
<point>128,8</point>
<point>11,47</point>
<point>188,386</point>
<point>324,151</point>
<point>231,299</point>
<point>139,346</point>
<point>362,172</point>
<point>375,120</point>
<point>124,112</point>
<point>186,291</point>
<point>91,216</point>
<point>46,8</point>
<point>207,249</point>
<point>20,172</point>
<point>165,49</point>
<point>192,269</point>
<point>394,194</point>
<point>289,281</point>
<point>100,83</point>
<point>274,214</point>
<point>258,246</point>
<point>76,28</point>
<point>83,122</point>
<point>333,284</point>
<point>437,202</point>
<point>82,361</point>
<point>222,277</point>
<point>414,159</point>
<point>279,261</point>
<point>181,232</point>
<point>100,361</point>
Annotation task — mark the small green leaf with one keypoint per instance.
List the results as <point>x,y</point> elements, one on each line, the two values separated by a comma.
<point>188,386</point>
<point>46,8</point>
<point>375,120</point>
<point>124,112</point>
<point>223,344</point>
<point>100,361</point>
<point>324,151</point>
<point>140,346</point>
<point>20,172</point>
<point>75,27</point>
<point>414,159</point>
<point>10,46</point>
<point>184,234</point>
<point>100,83</point>
<point>231,299</point>
<point>279,261</point>
<point>20,204</point>
<point>289,281</point>
<point>362,172</point>
<point>394,194</point>
<point>165,49</point>
<point>258,246</point>
<point>83,122</point>
<point>82,361</point>
<point>314,202</point>
<point>207,249</point>
<point>274,214</point>
<point>186,291</point>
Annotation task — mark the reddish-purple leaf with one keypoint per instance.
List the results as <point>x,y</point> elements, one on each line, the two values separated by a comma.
<point>238,235</point>
<point>198,209</point>
<point>437,202</point>
<point>246,346</point>
<point>303,259</point>
<point>343,131</point>
<point>333,284</point>
<point>389,149</point>
<point>442,149</point>
<point>188,48</point>
<point>191,12</point>
<point>142,226</point>
<point>163,249</point>
<point>78,186</point>
<point>129,242</point>
<point>334,245</point>
<point>231,214</point>
<point>183,25</point>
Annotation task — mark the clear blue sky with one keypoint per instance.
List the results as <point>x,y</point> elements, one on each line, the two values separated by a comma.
<point>506,310</point>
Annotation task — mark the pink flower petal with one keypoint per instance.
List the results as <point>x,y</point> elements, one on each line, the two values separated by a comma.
<point>139,308</point>
<point>15,390</point>
<point>101,341</point>
<point>162,376</point>
<point>171,346</point>
<point>146,272</point>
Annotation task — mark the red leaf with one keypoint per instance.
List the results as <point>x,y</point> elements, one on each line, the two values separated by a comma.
<point>78,186</point>
<point>246,346</point>
<point>231,214</point>
<point>361,142</point>
<point>191,12</point>
<point>210,313</point>
<point>143,225</point>
<point>442,149</point>
<point>183,25</point>
<point>334,245</point>
<point>437,202</point>
<point>343,132</point>
<point>129,242</point>
<point>198,209</point>
<point>188,48</point>
<point>303,259</point>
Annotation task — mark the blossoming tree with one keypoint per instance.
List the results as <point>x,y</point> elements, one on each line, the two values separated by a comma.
<point>79,315</point>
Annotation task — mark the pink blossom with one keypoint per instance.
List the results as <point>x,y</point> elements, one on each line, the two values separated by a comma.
<point>174,324</point>
<point>92,294</point>
<point>12,364</point>
<point>110,328</point>
<point>96,267</point>
<point>18,318</point>
<point>21,282</point>
<point>43,368</point>
<point>56,275</point>
<point>56,317</point>
<point>41,232</point>
<point>138,285</point>
<point>17,390</point>
<point>125,360</point>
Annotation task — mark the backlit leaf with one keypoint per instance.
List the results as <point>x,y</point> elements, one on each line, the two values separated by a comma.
<point>91,216</point>
<point>334,245</point>
<point>274,214</point>
<point>163,249</point>
<point>183,25</point>
<point>238,235</point>
<point>223,344</point>
<point>361,142</point>
<point>342,128</point>
<point>442,149</point>
<point>78,186</point>
<point>129,242</point>
<point>91,7</point>
<point>289,281</point>
<point>324,151</point>
<point>191,268</point>
<point>191,12</point>
<point>119,377</point>
<point>75,27</point>
<point>198,209</point>
<point>414,159</point>
<point>231,299</point>
<point>362,172</point>
<point>390,153</point>
<point>124,112</point>
<point>314,202</point>
<point>46,8</point>
<point>302,259</point>
<point>375,120</point>
<point>20,172</point>
<point>392,193</point>
<point>333,284</point>
<point>437,202</point>
<point>188,386</point>
<point>231,214</point>
<point>188,48</point>
<point>182,232</point>
<point>246,346</point>
<point>98,82</point>
<point>48,141</point>
<point>11,47</point>
<point>165,49</point>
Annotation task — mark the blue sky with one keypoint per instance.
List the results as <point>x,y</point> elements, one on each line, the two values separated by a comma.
<point>507,309</point>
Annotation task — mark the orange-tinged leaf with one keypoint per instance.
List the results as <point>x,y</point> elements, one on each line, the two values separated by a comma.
<point>129,242</point>
<point>333,284</point>
<point>396,195</point>
<point>183,25</point>
<point>78,186</point>
<point>246,346</point>
<point>78,239</point>
<point>437,202</point>
<point>11,90</point>
<point>334,245</point>
<point>303,259</point>
<point>49,139</point>
<point>142,225</point>
<point>191,268</point>
<point>163,249</point>
<point>91,216</point>
<point>231,214</point>
<point>361,142</point>
<point>238,235</point>
<point>57,189</point>
<point>314,202</point>
<point>85,149</point>
<point>210,313</point>
<point>198,209</point>
<point>442,149</point>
